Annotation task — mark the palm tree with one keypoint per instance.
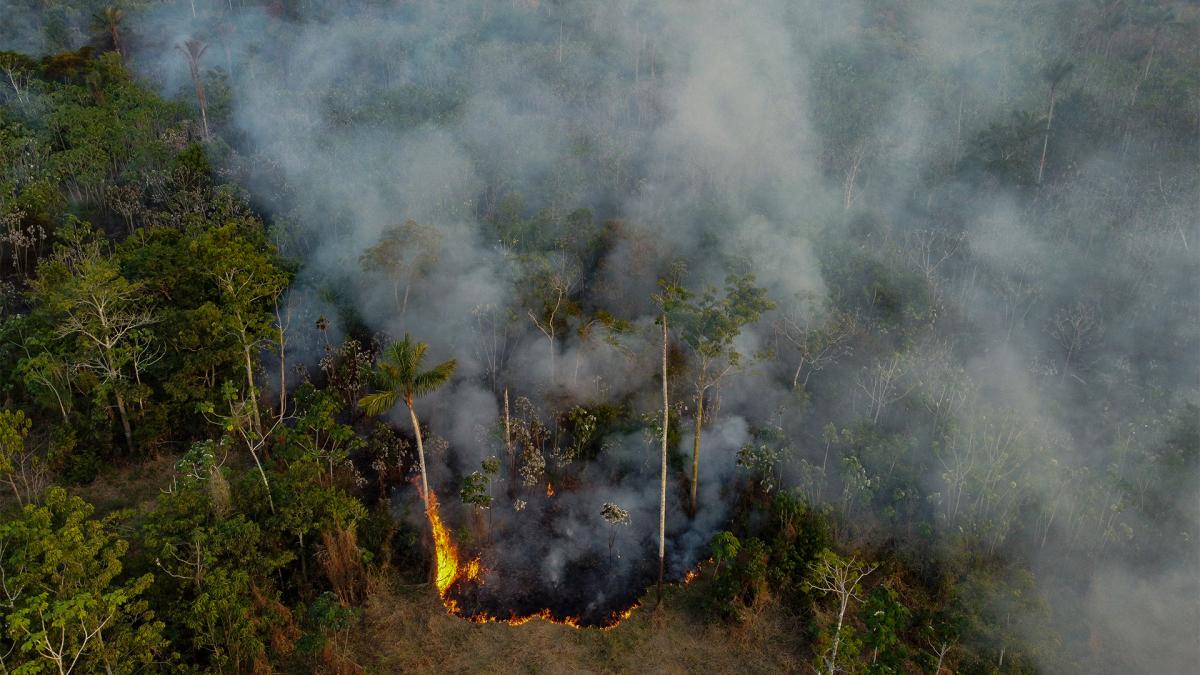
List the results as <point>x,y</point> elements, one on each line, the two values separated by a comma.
<point>399,377</point>
<point>109,20</point>
<point>193,50</point>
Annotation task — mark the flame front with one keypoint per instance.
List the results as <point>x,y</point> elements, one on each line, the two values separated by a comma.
<point>447,552</point>
<point>449,572</point>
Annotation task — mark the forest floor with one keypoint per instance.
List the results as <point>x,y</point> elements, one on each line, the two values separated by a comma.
<point>406,630</point>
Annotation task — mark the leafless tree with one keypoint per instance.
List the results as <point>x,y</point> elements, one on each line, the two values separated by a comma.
<point>493,344</point>
<point>817,345</point>
<point>927,250</point>
<point>1019,293</point>
<point>840,577</point>
<point>851,180</point>
<point>1075,327</point>
<point>556,279</point>
<point>1054,74</point>
<point>883,383</point>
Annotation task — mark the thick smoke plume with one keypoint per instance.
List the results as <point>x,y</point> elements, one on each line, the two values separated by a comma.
<point>716,133</point>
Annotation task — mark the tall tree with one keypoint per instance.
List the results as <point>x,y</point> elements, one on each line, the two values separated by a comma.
<point>101,315</point>
<point>67,608</point>
<point>20,466</point>
<point>109,20</point>
<point>551,281</point>
<point>841,578</point>
<point>193,51</point>
<point>709,325</point>
<point>249,284</point>
<point>404,254</point>
<point>1054,73</point>
<point>662,486</point>
<point>400,378</point>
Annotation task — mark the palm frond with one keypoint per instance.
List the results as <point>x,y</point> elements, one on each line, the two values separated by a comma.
<point>433,378</point>
<point>379,402</point>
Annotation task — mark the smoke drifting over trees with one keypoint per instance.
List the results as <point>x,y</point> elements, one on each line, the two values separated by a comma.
<point>929,269</point>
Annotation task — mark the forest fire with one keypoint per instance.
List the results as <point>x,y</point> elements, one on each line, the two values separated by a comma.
<point>447,552</point>
<point>549,490</point>
<point>453,579</point>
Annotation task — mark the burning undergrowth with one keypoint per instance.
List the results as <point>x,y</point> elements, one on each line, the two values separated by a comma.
<point>593,590</point>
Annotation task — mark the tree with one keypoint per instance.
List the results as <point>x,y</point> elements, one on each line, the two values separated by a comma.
<point>476,489</point>
<point>248,283</point>
<point>1054,73</point>
<point>725,547</point>
<point>662,487</point>
<point>101,314</point>
<point>614,516</point>
<point>109,20</point>
<point>885,617</point>
<point>399,375</point>
<point>1075,327</point>
<point>840,577</point>
<point>817,343</point>
<point>192,51</point>
<point>216,567</point>
<point>477,485</point>
<point>709,325</point>
<point>551,281</point>
<point>238,424</point>
<point>404,254</point>
<point>20,466</point>
<point>65,607</point>
<point>881,383</point>
<point>18,69</point>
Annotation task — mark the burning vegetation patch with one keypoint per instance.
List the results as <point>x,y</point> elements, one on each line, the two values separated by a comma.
<point>583,597</point>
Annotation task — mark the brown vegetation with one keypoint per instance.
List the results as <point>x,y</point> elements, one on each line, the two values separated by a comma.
<point>407,630</point>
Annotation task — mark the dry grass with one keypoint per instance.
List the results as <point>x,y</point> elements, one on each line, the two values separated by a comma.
<point>410,632</point>
<point>129,485</point>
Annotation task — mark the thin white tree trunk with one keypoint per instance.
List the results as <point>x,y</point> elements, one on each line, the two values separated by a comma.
<point>420,453</point>
<point>662,494</point>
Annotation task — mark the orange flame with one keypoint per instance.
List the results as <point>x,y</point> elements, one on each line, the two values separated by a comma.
<point>691,575</point>
<point>449,572</point>
<point>447,552</point>
<point>549,490</point>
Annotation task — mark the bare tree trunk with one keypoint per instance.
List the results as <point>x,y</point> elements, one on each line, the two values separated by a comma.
<point>696,450</point>
<point>203,100</point>
<point>837,637</point>
<point>250,383</point>
<point>116,39</point>
<point>282,360</point>
<point>1046,138</point>
<point>662,493</point>
<point>420,451</point>
<point>124,421</point>
<point>958,130</point>
<point>508,445</point>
